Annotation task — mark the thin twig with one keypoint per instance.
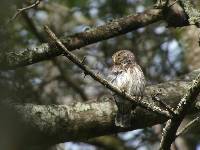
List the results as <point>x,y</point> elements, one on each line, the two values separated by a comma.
<point>21,10</point>
<point>169,132</point>
<point>163,5</point>
<point>104,82</point>
<point>63,75</point>
<point>187,126</point>
<point>170,5</point>
<point>160,4</point>
<point>163,104</point>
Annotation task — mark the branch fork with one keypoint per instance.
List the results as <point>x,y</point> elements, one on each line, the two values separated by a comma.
<point>99,79</point>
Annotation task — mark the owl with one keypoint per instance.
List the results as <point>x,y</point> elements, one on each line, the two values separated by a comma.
<point>127,75</point>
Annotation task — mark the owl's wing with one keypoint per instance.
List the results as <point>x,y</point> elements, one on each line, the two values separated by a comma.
<point>112,74</point>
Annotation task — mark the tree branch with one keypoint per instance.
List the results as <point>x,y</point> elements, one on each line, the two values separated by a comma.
<point>115,28</point>
<point>51,124</point>
<point>193,14</point>
<point>169,132</point>
<point>188,126</point>
<point>11,60</point>
<point>21,10</point>
<point>98,78</point>
<point>63,75</point>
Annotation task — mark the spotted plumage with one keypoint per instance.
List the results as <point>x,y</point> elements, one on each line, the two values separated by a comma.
<point>127,75</point>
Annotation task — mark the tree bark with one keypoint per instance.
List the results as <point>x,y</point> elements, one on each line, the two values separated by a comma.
<point>52,124</point>
<point>111,29</point>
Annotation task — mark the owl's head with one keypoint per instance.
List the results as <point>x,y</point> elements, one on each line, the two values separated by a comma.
<point>123,57</point>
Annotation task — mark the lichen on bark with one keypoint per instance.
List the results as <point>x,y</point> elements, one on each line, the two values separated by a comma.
<point>80,121</point>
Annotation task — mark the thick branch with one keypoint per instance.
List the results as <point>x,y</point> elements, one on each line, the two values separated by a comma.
<point>50,124</point>
<point>111,29</point>
<point>193,14</point>
<point>169,132</point>
<point>101,80</point>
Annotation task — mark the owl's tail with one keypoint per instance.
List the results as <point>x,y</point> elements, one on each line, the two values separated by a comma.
<point>123,116</point>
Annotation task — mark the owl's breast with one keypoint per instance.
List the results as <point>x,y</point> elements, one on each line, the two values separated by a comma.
<point>130,80</point>
<point>137,81</point>
<point>121,80</point>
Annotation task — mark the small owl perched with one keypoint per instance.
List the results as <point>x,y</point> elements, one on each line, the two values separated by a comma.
<point>127,75</point>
